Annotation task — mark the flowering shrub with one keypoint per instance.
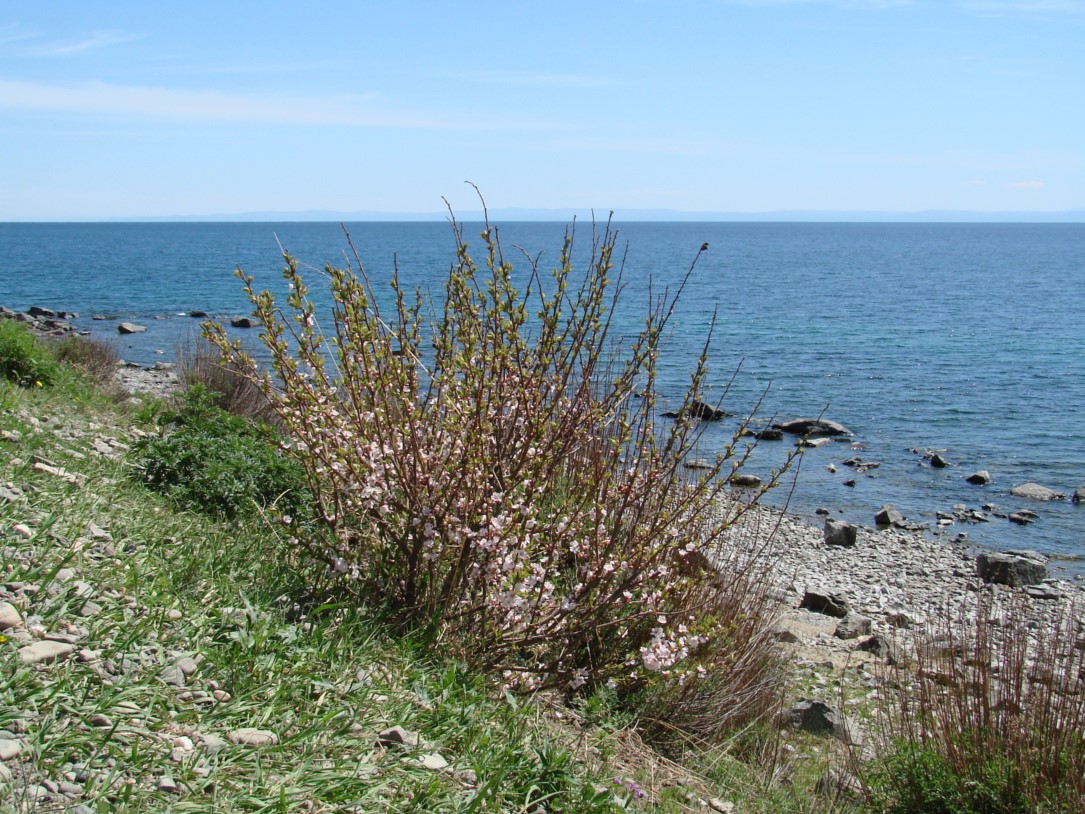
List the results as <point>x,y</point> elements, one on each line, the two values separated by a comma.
<point>497,474</point>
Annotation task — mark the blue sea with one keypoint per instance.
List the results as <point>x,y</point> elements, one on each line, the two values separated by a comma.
<point>964,338</point>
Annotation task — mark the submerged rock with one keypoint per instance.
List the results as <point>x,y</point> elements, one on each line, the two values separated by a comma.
<point>812,426</point>
<point>980,478</point>
<point>1035,491</point>
<point>698,409</point>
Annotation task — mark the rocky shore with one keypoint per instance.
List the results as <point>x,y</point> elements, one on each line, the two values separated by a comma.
<point>848,606</point>
<point>159,379</point>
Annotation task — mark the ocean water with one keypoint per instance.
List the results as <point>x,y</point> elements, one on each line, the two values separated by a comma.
<point>966,338</point>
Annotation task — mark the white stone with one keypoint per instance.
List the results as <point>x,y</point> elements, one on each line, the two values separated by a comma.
<point>248,736</point>
<point>9,616</point>
<point>45,652</point>
<point>10,749</point>
<point>434,762</point>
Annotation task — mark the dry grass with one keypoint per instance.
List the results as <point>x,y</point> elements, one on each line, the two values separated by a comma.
<point>200,363</point>
<point>95,358</point>
<point>994,722</point>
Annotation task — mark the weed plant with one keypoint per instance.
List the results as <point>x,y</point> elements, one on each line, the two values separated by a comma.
<point>497,476</point>
<point>25,359</point>
<point>213,461</point>
<point>995,725</point>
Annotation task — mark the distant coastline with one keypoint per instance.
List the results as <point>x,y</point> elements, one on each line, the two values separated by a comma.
<point>521,215</point>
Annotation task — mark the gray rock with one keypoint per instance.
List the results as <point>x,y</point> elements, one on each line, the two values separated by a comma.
<point>10,748</point>
<point>172,675</point>
<point>212,744</point>
<point>840,533</point>
<point>9,616</point>
<point>784,634</point>
<point>11,495</point>
<point>771,434</point>
<point>881,646</point>
<point>706,412</point>
<point>980,478</point>
<point>828,604</point>
<point>248,736</point>
<point>812,426</point>
<point>398,736</point>
<point>434,761</point>
<point>130,328</point>
<point>1015,569</point>
<point>45,652</point>
<point>900,619</point>
<point>938,462</point>
<point>187,665</point>
<point>888,516</point>
<point>1020,518</point>
<point>168,785</point>
<point>243,322</point>
<point>698,409</point>
<point>853,626</point>
<point>466,776</point>
<point>819,719</point>
<point>1034,491</point>
<point>745,481</point>
<point>1079,495</point>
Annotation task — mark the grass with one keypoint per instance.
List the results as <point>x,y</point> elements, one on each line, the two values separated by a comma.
<point>141,586</point>
<point>190,627</point>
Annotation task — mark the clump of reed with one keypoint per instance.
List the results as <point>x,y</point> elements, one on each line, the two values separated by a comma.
<point>992,719</point>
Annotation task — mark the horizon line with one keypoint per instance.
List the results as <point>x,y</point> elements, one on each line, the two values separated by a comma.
<point>553,214</point>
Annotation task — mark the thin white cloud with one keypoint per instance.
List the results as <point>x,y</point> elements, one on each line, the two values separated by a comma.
<point>1026,185</point>
<point>11,33</point>
<point>91,42</point>
<point>155,102</point>
<point>854,4</point>
<point>532,79</point>
<point>1025,6</point>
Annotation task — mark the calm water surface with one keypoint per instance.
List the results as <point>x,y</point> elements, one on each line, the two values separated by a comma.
<point>963,337</point>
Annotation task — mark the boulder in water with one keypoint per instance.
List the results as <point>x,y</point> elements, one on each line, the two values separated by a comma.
<point>888,515</point>
<point>812,426</point>
<point>1035,491</point>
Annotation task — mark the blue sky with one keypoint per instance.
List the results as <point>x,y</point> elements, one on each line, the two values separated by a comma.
<point>161,109</point>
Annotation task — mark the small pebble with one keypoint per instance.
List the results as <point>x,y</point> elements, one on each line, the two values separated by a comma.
<point>10,749</point>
